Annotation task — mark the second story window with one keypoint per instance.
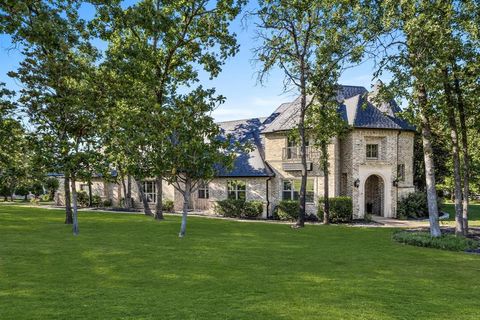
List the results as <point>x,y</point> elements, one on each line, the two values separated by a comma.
<point>203,191</point>
<point>236,189</point>
<point>150,190</point>
<point>372,151</point>
<point>292,151</point>
<point>401,172</point>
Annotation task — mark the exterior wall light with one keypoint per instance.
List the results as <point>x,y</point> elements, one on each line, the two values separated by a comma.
<point>356,183</point>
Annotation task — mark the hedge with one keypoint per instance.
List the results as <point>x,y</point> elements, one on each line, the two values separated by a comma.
<point>238,208</point>
<point>414,205</point>
<point>446,242</point>
<point>287,210</point>
<point>167,205</point>
<point>341,209</point>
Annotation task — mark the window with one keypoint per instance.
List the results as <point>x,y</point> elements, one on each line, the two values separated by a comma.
<point>236,189</point>
<point>401,172</point>
<point>203,191</point>
<point>291,190</point>
<point>372,151</point>
<point>84,187</point>
<point>150,190</point>
<point>293,148</point>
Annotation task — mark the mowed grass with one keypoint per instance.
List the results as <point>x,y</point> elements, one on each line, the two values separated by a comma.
<point>473,214</point>
<point>124,266</point>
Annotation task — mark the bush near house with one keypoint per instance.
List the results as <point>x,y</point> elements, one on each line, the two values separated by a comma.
<point>341,209</point>
<point>252,209</point>
<point>414,205</point>
<point>107,203</point>
<point>82,198</point>
<point>287,210</point>
<point>239,208</point>
<point>446,241</point>
<point>167,205</point>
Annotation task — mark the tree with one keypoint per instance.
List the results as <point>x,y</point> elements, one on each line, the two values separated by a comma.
<point>197,148</point>
<point>52,185</point>
<point>158,46</point>
<point>58,76</point>
<point>406,39</point>
<point>294,36</point>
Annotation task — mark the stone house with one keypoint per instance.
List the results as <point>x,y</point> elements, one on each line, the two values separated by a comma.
<point>372,163</point>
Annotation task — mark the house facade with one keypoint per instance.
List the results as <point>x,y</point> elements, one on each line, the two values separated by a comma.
<point>372,163</point>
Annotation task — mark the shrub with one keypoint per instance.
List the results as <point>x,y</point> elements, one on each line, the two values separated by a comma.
<point>238,208</point>
<point>45,197</point>
<point>252,209</point>
<point>167,205</point>
<point>35,201</point>
<point>287,210</point>
<point>96,200</point>
<point>82,198</point>
<point>107,203</point>
<point>446,242</point>
<point>341,209</point>
<point>229,208</point>
<point>414,205</point>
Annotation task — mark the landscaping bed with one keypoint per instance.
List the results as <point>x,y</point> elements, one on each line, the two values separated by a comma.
<point>420,237</point>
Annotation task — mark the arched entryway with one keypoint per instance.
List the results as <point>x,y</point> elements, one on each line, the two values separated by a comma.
<point>374,195</point>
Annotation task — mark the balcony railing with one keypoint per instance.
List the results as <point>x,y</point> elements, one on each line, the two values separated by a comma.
<point>294,153</point>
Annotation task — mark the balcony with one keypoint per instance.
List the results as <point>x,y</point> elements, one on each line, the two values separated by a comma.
<point>292,158</point>
<point>294,153</point>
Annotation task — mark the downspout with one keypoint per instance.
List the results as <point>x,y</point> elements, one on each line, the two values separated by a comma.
<point>268,198</point>
<point>396,179</point>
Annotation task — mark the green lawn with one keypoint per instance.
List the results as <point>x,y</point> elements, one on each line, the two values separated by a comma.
<point>473,213</point>
<point>131,267</point>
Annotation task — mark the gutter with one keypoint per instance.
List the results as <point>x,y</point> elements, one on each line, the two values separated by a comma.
<point>396,179</point>
<point>268,199</point>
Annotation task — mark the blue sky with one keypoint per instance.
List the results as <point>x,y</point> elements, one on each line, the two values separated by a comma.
<point>237,82</point>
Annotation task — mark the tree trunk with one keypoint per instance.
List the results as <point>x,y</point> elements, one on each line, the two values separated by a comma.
<point>186,200</point>
<point>124,187</point>
<point>466,156</point>
<point>128,197</point>
<point>159,207</point>
<point>143,198</point>
<point>455,154</point>
<point>75,207</point>
<point>326,203</point>
<point>429,164</point>
<point>68,206</point>
<point>303,155</point>
<point>90,200</point>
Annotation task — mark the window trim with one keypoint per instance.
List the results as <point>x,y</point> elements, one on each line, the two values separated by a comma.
<point>152,194</point>
<point>203,187</point>
<point>367,151</point>
<point>292,190</point>
<point>236,191</point>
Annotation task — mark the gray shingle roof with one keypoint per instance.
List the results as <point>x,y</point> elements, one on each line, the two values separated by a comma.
<point>287,115</point>
<point>250,163</point>
<point>353,107</point>
<point>360,113</point>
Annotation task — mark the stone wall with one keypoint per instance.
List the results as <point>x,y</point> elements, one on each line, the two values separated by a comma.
<point>274,144</point>
<point>360,168</point>
<point>255,191</point>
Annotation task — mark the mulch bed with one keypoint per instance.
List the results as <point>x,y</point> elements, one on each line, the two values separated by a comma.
<point>473,233</point>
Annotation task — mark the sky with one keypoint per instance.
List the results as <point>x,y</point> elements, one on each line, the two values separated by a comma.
<point>245,97</point>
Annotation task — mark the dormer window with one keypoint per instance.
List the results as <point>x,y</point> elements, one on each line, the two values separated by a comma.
<point>372,151</point>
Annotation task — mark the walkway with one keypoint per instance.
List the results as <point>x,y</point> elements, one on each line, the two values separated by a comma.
<point>395,223</point>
